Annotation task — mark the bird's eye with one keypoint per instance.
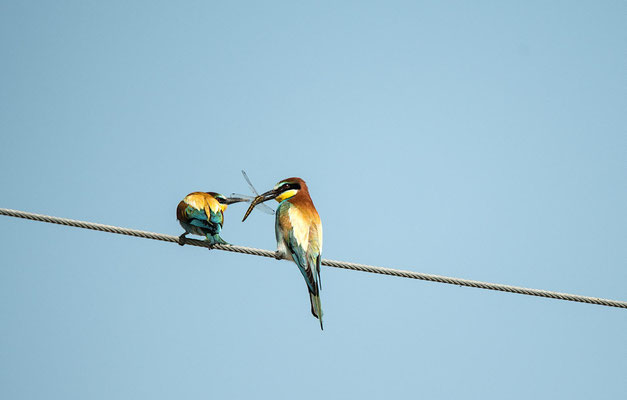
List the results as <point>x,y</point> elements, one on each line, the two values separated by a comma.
<point>221,200</point>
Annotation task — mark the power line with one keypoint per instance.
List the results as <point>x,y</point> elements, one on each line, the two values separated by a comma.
<point>330,263</point>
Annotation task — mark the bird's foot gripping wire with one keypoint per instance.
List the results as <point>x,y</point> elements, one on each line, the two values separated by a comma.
<point>182,239</point>
<point>278,255</point>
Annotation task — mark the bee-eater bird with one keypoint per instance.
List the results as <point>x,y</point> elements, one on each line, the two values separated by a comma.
<point>202,213</point>
<point>298,233</point>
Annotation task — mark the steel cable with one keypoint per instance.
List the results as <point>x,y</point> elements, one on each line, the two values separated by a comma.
<point>330,263</point>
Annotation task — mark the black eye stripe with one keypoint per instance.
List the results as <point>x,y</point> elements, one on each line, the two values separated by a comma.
<point>289,186</point>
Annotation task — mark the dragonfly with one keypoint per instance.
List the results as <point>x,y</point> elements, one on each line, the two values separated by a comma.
<point>262,207</point>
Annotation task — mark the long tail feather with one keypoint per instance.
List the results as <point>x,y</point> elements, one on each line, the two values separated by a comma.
<point>216,239</point>
<point>316,307</point>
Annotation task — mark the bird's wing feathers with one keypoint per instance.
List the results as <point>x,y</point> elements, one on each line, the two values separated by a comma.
<point>201,223</point>
<point>194,213</point>
<point>213,210</point>
<point>217,218</point>
<point>315,249</point>
<point>199,218</point>
<point>302,240</point>
<point>199,212</point>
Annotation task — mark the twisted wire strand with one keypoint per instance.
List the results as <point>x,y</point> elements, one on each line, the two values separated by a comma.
<point>329,263</point>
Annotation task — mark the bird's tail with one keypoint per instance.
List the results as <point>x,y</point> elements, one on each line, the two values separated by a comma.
<point>215,239</point>
<point>316,307</point>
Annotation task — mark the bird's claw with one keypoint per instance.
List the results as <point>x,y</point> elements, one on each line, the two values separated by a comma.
<point>182,240</point>
<point>278,255</point>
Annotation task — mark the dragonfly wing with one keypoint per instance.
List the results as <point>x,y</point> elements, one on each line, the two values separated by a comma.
<point>261,207</point>
<point>250,184</point>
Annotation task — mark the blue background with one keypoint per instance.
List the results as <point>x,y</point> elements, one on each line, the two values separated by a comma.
<point>480,140</point>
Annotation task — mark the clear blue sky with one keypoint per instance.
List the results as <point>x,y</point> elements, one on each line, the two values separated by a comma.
<point>483,140</point>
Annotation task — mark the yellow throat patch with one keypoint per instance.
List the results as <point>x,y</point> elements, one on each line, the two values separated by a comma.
<point>286,195</point>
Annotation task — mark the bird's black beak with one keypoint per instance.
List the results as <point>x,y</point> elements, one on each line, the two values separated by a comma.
<point>232,200</point>
<point>269,195</point>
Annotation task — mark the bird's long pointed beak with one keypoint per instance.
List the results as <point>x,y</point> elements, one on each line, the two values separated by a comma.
<point>269,195</point>
<point>232,200</point>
